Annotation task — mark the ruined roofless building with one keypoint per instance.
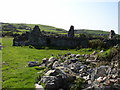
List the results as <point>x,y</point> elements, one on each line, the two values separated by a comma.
<point>71,32</point>
<point>36,31</point>
<point>111,34</point>
<point>38,39</point>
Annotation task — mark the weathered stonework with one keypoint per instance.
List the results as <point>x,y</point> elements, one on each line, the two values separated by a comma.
<point>36,38</point>
<point>71,32</point>
<point>111,34</point>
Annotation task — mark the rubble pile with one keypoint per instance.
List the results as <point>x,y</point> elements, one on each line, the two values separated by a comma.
<point>65,70</point>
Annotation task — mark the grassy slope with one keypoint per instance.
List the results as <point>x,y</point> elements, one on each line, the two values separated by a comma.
<point>45,28</point>
<point>59,30</point>
<point>42,27</point>
<point>15,73</point>
<point>91,31</point>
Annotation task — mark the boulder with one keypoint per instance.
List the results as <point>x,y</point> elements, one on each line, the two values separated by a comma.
<point>100,79</point>
<point>86,77</point>
<point>33,63</point>
<point>56,72</point>
<point>73,60</point>
<point>67,62</point>
<point>100,71</point>
<point>75,67</point>
<point>73,55</point>
<point>114,71</point>
<point>94,52</point>
<point>86,56</point>
<point>49,73</point>
<point>101,51</point>
<point>104,78</point>
<point>52,59</point>
<point>54,78</point>
<point>39,87</point>
<point>50,64</point>
<point>45,60</point>
<point>60,67</point>
<point>51,82</point>
<point>65,55</point>
<point>78,55</point>
<point>55,64</point>
<point>69,54</point>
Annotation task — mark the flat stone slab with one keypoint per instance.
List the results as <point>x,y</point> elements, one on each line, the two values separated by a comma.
<point>39,87</point>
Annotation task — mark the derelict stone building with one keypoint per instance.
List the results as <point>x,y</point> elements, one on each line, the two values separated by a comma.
<point>71,32</point>
<point>111,34</point>
<point>36,38</point>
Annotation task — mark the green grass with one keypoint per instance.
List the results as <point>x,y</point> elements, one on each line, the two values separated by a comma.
<point>15,72</point>
<point>57,30</point>
<point>92,31</point>
<point>63,33</point>
<point>22,30</point>
<point>42,27</point>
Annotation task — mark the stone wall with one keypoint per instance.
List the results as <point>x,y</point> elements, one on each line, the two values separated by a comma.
<point>37,38</point>
<point>71,32</point>
<point>58,41</point>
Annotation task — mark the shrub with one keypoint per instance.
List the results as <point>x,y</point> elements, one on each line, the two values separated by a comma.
<point>96,43</point>
<point>30,46</point>
<point>46,48</point>
<point>111,54</point>
<point>82,35</point>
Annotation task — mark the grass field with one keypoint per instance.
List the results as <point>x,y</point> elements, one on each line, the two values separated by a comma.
<point>15,72</point>
<point>56,30</point>
<point>44,27</point>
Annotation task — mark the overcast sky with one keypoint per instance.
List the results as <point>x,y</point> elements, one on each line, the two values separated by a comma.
<point>95,14</point>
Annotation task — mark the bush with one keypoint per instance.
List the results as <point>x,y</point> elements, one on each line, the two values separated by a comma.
<point>30,46</point>
<point>46,48</point>
<point>96,43</point>
<point>111,54</point>
<point>82,35</point>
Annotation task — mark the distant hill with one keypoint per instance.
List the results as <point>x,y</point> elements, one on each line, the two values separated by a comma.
<point>92,32</point>
<point>27,27</point>
<point>20,28</point>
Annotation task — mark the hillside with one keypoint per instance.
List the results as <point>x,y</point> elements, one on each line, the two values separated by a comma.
<point>19,28</point>
<point>95,32</point>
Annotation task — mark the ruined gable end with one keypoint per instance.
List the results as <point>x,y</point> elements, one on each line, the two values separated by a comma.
<point>71,31</point>
<point>111,34</point>
<point>36,30</point>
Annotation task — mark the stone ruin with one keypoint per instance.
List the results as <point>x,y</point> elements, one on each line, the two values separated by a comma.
<point>38,39</point>
<point>111,34</point>
<point>71,32</point>
<point>65,69</point>
<point>36,31</point>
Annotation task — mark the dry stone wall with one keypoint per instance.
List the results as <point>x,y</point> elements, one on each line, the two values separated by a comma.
<point>36,38</point>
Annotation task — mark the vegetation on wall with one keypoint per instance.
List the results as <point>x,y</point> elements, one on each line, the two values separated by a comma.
<point>111,54</point>
<point>96,43</point>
